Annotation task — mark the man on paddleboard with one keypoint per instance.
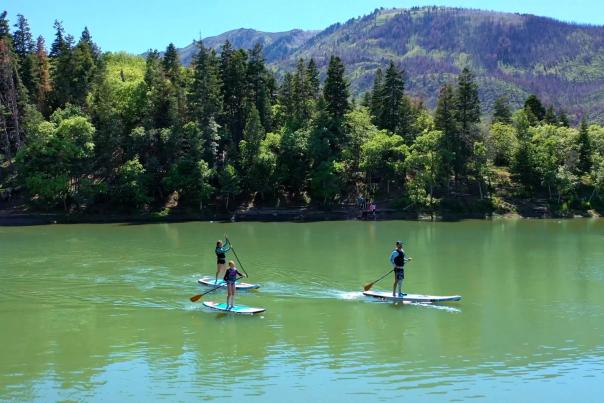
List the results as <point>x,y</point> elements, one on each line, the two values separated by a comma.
<point>397,259</point>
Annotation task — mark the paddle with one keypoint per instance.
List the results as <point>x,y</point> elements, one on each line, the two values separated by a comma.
<point>368,286</point>
<point>197,297</point>
<point>236,257</point>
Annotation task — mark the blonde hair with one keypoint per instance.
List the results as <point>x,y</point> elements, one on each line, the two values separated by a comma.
<point>231,263</point>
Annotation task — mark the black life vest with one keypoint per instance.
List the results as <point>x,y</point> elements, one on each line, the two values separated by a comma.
<point>230,275</point>
<point>399,260</point>
<point>219,253</point>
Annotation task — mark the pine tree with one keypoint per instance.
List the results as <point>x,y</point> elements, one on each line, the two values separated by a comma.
<point>467,114</point>
<point>534,108</point>
<point>391,100</point>
<point>58,45</point>
<point>376,105</point>
<point>335,91</point>
<point>204,95</point>
<point>171,64</point>
<point>23,43</point>
<point>286,101</point>
<point>4,28</point>
<point>312,79</point>
<point>585,159</point>
<point>550,116</point>
<point>501,111</point>
<point>563,119</point>
<point>259,86</point>
<point>24,46</point>
<point>444,120</point>
<point>42,77</point>
<point>233,77</point>
<point>301,95</point>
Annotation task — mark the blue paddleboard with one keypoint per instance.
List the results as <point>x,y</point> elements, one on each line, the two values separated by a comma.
<point>241,309</point>
<point>387,295</point>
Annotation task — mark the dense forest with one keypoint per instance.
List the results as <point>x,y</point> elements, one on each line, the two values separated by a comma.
<point>86,131</point>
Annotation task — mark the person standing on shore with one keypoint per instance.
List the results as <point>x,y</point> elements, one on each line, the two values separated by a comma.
<point>398,259</point>
<point>221,250</point>
<point>231,277</point>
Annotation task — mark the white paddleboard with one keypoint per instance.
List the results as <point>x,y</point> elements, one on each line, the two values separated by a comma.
<point>211,282</point>
<point>412,297</point>
<point>242,309</point>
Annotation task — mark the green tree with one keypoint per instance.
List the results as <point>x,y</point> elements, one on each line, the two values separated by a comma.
<point>424,165</point>
<point>260,85</point>
<point>501,111</point>
<point>191,179</point>
<point>585,151</point>
<point>326,181</point>
<point>390,98</point>
<point>233,70</point>
<point>534,109</point>
<point>313,80</point>
<point>467,113</point>
<point>229,184</point>
<point>335,91</point>
<point>383,157</point>
<point>444,121</point>
<point>128,192</point>
<point>205,101</point>
<point>502,143</point>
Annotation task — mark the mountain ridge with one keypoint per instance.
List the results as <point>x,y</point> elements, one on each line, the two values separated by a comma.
<point>511,54</point>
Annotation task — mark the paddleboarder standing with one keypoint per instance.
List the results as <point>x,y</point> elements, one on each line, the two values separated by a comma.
<point>231,277</point>
<point>397,259</point>
<point>221,250</point>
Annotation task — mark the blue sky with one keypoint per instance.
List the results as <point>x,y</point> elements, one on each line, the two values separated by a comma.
<point>136,26</point>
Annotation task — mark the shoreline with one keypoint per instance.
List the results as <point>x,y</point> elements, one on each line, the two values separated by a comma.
<point>17,218</point>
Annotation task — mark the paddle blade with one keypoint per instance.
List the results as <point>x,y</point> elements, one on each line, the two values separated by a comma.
<point>195,298</point>
<point>368,286</point>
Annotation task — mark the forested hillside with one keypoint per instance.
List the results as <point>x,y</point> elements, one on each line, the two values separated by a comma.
<point>87,131</point>
<point>511,54</point>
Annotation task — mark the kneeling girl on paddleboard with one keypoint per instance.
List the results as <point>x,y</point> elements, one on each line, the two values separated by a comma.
<point>231,277</point>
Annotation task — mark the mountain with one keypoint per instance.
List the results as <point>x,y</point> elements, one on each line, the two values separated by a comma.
<point>511,54</point>
<point>277,45</point>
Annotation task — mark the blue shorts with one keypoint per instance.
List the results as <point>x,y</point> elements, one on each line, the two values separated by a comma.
<point>399,274</point>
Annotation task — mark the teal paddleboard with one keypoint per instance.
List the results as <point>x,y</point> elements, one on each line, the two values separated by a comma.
<point>241,309</point>
<point>211,282</point>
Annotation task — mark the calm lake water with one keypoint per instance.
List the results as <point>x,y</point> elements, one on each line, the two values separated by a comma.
<point>102,313</point>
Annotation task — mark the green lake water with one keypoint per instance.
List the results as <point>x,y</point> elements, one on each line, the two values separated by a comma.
<point>102,313</point>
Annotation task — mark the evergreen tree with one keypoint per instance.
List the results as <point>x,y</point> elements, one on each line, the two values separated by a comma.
<point>550,116</point>
<point>467,114</point>
<point>585,149</point>
<point>563,119</point>
<point>301,96</point>
<point>375,106</point>
<point>42,77</point>
<point>171,64</point>
<point>286,101</point>
<point>335,91</point>
<point>444,120</point>
<point>23,42</point>
<point>313,80</point>
<point>23,45</point>
<point>390,98</point>
<point>233,77</point>
<point>534,108</point>
<point>501,111</point>
<point>4,28</point>
<point>259,85</point>
<point>59,44</point>
<point>205,100</point>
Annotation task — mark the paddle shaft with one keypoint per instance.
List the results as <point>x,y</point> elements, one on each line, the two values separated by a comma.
<point>195,298</point>
<point>237,257</point>
<point>368,286</point>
